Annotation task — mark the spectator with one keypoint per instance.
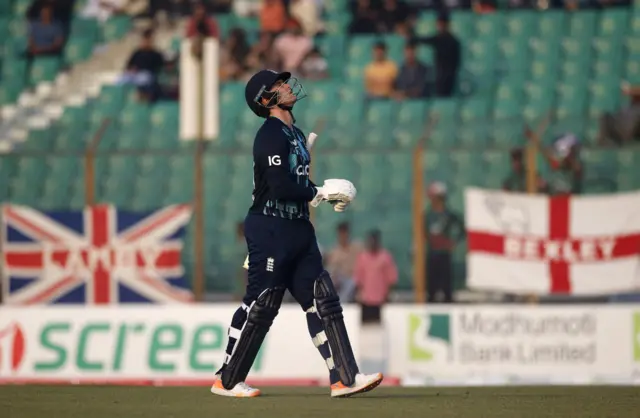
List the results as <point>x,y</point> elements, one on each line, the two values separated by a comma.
<point>624,125</point>
<point>46,36</point>
<point>412,80</point>
<point>306,12</point>
<point>233,59</point>
<point>200,25</point>
<point>262,54</point>
<point>484,6</point>
<point>143,68</point>
<point>393,13</point>
<point>375,272</point>
<point>444,230</point>
<point>273,16</point>
<point>517,179</point>
<point>62,11</point>
<point>447,57</point>
<point>314,66</point>
<point>363,18</point>
<point>341,261</point>
<point>380,74</point>
<point>564,159</point>
<point>292,46</point>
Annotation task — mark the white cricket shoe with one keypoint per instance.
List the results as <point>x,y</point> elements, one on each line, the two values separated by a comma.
<point>241,390</point>
<point>364,383</point>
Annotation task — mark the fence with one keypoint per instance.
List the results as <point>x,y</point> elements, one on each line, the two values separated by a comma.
<point>184,174</point>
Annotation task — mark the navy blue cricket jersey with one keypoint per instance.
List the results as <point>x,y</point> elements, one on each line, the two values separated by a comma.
<point>281,185</point>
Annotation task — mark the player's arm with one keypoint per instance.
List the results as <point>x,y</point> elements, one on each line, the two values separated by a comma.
<point>272,154</point>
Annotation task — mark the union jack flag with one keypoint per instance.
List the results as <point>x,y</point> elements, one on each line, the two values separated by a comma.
<point>97,256</point>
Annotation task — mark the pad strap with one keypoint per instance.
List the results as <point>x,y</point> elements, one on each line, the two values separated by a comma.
<point>327,304</point>
<point>260,317</point>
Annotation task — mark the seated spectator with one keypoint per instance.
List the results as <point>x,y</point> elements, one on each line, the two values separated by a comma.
<point>234,54</point>
<point>412,81</point>
<point>292,46</point>
<point>517,179</point>
<point>262,54</point>
<point>622,126</point>
<point>484,6</point>
<point>307,13</point>
<point>393,14</point>
<point>46,36</point>
<point>380,74</point>
<point>62,11</point>
<point>143,68</point>
<point>314,66</point>
<point>273,16</point>
<point>200,25</point>
<point>364,18</point>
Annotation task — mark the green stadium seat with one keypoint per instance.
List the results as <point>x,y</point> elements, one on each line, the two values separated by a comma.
<point>520,25</point>
<point>613,23</point>
<point>115,28</point>
<point>582,25</point>
<point>78,49</point>
<point>443,116</point>
<point>551,25</point>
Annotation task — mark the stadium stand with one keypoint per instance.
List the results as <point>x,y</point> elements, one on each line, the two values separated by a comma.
<point>518,66</point>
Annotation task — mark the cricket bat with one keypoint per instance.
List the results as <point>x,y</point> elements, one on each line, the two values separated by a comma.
<point>311,140</point>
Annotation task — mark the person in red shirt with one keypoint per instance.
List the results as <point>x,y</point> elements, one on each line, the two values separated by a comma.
<point>375,273</point>
<point>201,25</point>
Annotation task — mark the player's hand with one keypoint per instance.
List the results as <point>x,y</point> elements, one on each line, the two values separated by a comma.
<point>339,206</point>
<point>339,190</point>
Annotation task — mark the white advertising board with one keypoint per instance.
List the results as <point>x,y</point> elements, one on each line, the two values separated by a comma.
<point>183,344</point>
<point>564,344</point>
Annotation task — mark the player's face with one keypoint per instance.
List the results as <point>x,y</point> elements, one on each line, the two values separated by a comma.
<point>285,94</point>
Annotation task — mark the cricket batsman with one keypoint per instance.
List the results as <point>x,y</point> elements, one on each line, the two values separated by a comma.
<point>282,247</point>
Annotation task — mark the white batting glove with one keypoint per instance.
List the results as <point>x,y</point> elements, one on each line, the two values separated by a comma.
<point>338,190</point>
<point>246,263</point>
<point>340,206</point>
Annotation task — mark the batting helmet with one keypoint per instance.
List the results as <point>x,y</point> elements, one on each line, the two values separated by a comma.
<point>260,86</point>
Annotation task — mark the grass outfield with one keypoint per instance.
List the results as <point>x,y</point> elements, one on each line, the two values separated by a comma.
<point>279,402</point>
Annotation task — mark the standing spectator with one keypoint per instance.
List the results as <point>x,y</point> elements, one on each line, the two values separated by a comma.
<point>517,179</point>
<point>200,25</point>
<point>393,14</point>
<point>380,74</point>
<point>375,273</point>
<point>364,18</point>
<point>306,12</point>
<point>273,16</point>
<point>292,46</point>
<point>233,57</point>
<point>567,172</point>
<point>46,36</point>
<point>447,57</point>
<point>143,68</point>
<point>314,66</point>
<point>444,230</point>
<point>412,80</point>
<point>624,125</point>
<point>341,261</point>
